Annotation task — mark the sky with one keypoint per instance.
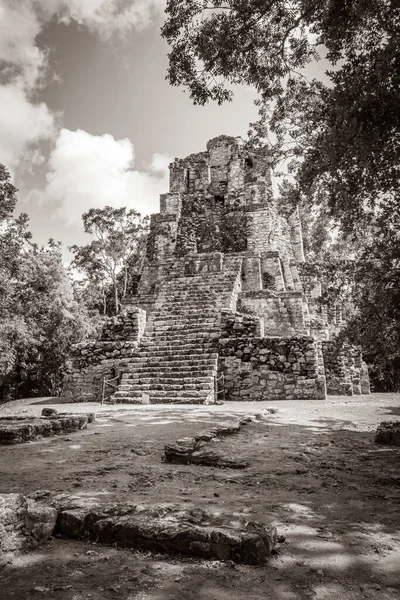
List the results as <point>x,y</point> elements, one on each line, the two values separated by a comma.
<point>87,118</point>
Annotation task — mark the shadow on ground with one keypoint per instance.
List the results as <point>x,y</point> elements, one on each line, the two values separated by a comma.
<point>323,482</point>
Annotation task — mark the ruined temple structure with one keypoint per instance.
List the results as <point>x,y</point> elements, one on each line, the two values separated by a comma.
<point>226,307</point>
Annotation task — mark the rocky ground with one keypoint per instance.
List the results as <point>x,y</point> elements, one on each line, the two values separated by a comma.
<point>315,473</point>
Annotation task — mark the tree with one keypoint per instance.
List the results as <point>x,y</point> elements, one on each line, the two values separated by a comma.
<point>8,194</point>
<point>115,254</point>
<point>346,133</point>
<point>339,141</point>
<point>39,317</point>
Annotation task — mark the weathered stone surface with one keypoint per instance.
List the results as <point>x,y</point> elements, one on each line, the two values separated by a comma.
<point>225,266</point>
<point>49,412</point>
<point>270,368</point>
<point>191,450</point>
<point>210,458</point>
<point>171,530</point>
<point>18,430</point>
<point>388,432</point>
<point>24,523</point>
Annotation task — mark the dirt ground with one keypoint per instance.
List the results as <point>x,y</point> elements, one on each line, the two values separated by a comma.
<point>315,473</point>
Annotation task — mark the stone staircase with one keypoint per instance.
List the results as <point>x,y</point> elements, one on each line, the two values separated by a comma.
<point>177,359</point>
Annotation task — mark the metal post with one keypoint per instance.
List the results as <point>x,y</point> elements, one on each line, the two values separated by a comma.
<point>102,391</point>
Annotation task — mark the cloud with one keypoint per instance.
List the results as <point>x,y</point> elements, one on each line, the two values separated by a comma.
<point>24,67</point>
<point>97,170</point>
<point>107,17</point>
<point>21,61</point>
<point>22,125</point>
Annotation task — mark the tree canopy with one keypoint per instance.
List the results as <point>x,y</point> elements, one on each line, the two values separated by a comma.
<point>115,254</point>
<point>39,316</point>
<point>346,133</point>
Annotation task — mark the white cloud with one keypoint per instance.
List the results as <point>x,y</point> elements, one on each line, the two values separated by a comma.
<point>106,17</point>
<point>94,171</point>
<point>23,62</point>
<point>24,67</point>
<point>22,125</point>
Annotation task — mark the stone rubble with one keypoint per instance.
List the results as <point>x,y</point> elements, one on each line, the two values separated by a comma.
<point>388,433</point>
<point>16,429</point>
<point>24,523</point>
<point>192,450</point>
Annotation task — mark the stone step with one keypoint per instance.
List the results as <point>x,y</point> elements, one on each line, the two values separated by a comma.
<point>158,400</point>
<point>171,361</point>
<point>186,347</point>
<point>134,379</point>
<point>201,282</point>
<point>203,315</point>
<point>188,303</point>
<point>180,324</point>
<point>154,393</point>
<point>181,332</point>
<point>170,366</point>
<point>189,317</point>
<point>177,373</point>
<point>174,350</point>
<point>174,386</point>
<point>176,335</point>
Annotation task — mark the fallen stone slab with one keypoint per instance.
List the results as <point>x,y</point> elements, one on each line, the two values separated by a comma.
<point>24,523</point>
<point>388,432</point>
<point>168,529</point>
<point>17,429</point>
<point>191,450</point>
<point>211,458</point>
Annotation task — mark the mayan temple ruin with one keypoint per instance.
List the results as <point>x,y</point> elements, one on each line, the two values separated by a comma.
<point>226,308</point>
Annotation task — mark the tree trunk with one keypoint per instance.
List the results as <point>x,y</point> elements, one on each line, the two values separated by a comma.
<point>104,302</point>
<point>116,297</point>
<point>125,282</point>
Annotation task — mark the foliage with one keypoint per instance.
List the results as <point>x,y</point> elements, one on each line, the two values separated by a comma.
<point>39,317</point>
<point>217,43</point>
<point>8,194</point>
<point>114,258</point>
<point>344,137</point>
<point>376,324</point>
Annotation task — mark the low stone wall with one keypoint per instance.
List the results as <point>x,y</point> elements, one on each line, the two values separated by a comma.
<point>388,432</point>
<point>16,430</point>
<point>171,530</point>
<point>96,352</point>
<point>128,325</point>
<point>85,384</point>
<point>192,450</point>
<point>24,523</point>
<point>95,360</point>
<point>271,368</point>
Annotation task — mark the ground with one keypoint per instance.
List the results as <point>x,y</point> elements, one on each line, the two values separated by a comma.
<point>314,472</point>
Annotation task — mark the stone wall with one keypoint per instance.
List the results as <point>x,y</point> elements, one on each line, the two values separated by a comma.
<point>282,313</point>
<point>95,360</point>
<point>270,369</point>
<point>345,372</point>
<point>240,325</point>
<point>23,523</point>
<point>128,325</point>
<point>85,383</point>
<point>269,231</point>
